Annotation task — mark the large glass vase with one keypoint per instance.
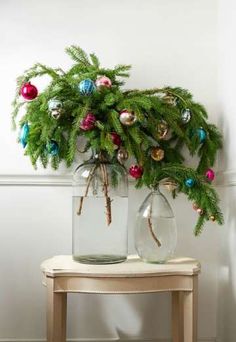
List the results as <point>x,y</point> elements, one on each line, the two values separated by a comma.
<point>100,211</point>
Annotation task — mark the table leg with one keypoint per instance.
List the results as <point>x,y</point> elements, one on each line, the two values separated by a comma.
<point>190,312</point>
<point>56,313</point>
<point>177,316</point>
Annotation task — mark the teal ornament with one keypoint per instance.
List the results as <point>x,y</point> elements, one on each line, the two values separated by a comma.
<point>189,182</point>
<point>52,148</point>
<point>201,134</point>
<point>87,87</point>
<point>24,134</point>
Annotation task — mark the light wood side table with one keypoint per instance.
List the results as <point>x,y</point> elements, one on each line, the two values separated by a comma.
<point>179,276</point>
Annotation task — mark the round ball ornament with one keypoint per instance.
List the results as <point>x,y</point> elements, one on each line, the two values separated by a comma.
<point>162,130</point>
<point>55,108</point>
<point>88,122</point>
<point>103,81</point>
<point>195,206</point>
<point>29,91</point>
<point>201,134</point>
<point>210,175</point>
<point>157,153</point>
<point>116,139</point>
<point>52,148</point>
<point>189,182</point>
<point>212,218</point>
<point>136,171</point>
<point>186,116</point>
<point>122,155</point>
<point>127,118</point>
<point>87,87</point>
<point>200,211</point>
<point>24,133</point>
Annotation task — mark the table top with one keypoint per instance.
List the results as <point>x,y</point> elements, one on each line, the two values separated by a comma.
<point>64,265</point>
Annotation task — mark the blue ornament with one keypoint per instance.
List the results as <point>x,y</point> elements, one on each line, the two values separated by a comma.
<point>201,134</point>
<point>189,182</point>
<point>24,134</point>
<point>52,148</point>
<point>86,87</point>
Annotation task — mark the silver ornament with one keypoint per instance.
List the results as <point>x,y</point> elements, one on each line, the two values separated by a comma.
<point>56,113</point>
<point>55,108</point>
<point>127,118</point>
<point>186,116</point>
<point>122,155</point>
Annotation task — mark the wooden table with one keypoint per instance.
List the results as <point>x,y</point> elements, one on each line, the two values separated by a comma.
<point>179,276</point>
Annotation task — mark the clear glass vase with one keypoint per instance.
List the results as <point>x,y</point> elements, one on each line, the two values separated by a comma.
<point>155,230</point>
<point>100,212</point>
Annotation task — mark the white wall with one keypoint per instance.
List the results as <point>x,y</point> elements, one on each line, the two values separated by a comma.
<point>227,74</point>
<point>168,43</point>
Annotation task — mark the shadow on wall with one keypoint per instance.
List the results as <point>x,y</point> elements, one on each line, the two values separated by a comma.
<point>227,269</point>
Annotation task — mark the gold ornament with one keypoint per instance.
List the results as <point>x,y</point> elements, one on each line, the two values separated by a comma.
<point>170,185</point>
<point>212,218</point>
<point>170,99</point>
<point>157,153</point>
<point>127,118</point>
<point>122,155</point>
<point>162,130</point>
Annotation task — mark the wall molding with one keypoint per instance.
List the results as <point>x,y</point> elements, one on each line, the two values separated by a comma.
<point>224,179</point>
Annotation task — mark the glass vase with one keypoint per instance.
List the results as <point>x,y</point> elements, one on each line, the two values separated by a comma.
<point>100,212</point>
<point>155,230</point>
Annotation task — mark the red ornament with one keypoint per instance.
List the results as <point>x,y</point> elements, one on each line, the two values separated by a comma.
<point>88,122</point>
<point>210,175</point>
<point>103,81</point>
<point>136,171</point>
<point>29,91</point>
<point>116,139</point>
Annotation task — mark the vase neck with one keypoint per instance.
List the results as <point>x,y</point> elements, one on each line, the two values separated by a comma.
<point>156,190</point>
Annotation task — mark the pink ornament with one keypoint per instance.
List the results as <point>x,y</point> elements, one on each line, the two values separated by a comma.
<point>29,91</point>
<point>136,171</point>
<point>210,175</point>
<point>88,122</point>
<point>103,81</point>
<point>116,139</point>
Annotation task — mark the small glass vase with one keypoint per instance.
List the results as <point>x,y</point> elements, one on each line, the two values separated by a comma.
<point>100,212</point>
<point>155,230</point>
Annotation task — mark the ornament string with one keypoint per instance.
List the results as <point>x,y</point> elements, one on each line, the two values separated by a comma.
<point>150,226</point>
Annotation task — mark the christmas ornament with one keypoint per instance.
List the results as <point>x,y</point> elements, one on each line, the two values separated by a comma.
<point>210,175</point>
<point>201,134</point>
<point>170,185</point>
<point>212,218</point>
<point>200,211</point>
<point>103,81</point>
<point>122,155</point>
<point>116,139</point>
<point>157,153</point>
<point>127,118</point>
<point>29,91</point>
<point>162,130</point>
<point>170,99</point>
<point>136,171</point>
<point>52,148</point>
<point>186,116</point>
<point>86,87</point>
<point>88,122</point>
<point>189,182</point>
<point>55,108</point>
<point>195,206</point>
<point>24,134</point>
